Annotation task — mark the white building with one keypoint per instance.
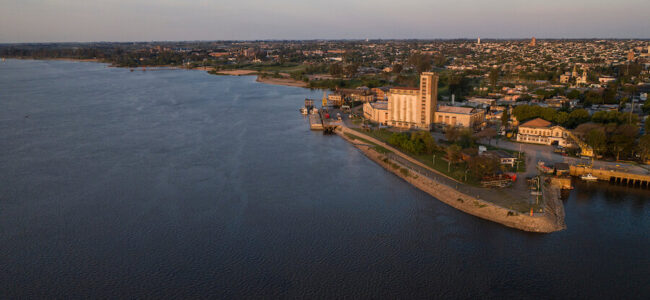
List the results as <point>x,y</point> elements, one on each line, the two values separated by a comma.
<point>414,107</point>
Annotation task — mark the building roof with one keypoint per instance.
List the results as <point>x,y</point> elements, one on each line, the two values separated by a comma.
<point>455,109</point>
<point>405,88</point>
<point>538,123</point>
<point>380,105</point>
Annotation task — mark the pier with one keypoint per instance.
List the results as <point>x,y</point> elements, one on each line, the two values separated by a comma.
<point>315,122</point>
<point>619,177</point>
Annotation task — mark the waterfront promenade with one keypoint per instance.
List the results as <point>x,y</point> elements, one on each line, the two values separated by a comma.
<point>472,200</point>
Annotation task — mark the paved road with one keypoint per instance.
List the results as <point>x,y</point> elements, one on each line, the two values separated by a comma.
<point>535,153</point>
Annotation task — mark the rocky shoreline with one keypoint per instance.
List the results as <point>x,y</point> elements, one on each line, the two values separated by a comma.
<point>550,221</point>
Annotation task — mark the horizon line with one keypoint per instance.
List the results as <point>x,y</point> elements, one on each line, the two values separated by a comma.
<point>334,40</point>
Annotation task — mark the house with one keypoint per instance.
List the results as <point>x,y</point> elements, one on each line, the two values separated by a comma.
<point>557,102</point>
<point>606,79</point>
<point>504,157</point>
<point>540,131</point>
<point>334,99</point>
<point>380,92</point>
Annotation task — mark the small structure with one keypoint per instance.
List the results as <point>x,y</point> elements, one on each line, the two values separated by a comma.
<point>504,157</point>
<point>562,169</point>
<point>309,103</point>
<point>334,99</point>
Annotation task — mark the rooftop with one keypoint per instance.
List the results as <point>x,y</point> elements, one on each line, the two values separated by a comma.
<point>380,105</point>
<point>405,88</point>
<point>455,109</point>
<point>539,123</point>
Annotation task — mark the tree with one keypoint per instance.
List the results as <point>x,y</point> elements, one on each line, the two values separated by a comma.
<point>573,94</point>
<point>439,61</point>
<point>351,69</point>
<point>397,68</point>
<point>466,139</point>
<point>483,165</point>
<point>336,70</point>
<point>487,133</point>
<point>577,117</point>
<point>453,153</point>
<point>644,148</point>
<point>561,118</point>
<point>452,134</point>
<point>505,117</point>
<point>597,140</point>
<point>646,107</point>
<point>494,76</point>
<point>420,62</point>
<point>623,139</point>
<point>609,95</point>
<point>425,138</point>
<point>593,97</point>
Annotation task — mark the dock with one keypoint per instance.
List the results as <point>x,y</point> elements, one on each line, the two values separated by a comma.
<point>619,177</point>
<point>315,122</point>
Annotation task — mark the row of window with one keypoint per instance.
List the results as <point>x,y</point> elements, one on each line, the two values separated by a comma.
<point>542,132</point>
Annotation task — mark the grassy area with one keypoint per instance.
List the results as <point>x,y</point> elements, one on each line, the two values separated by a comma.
<point>502,197</point>
<point>381,134</point>
<point>377,148</point>
<point>454,170</point>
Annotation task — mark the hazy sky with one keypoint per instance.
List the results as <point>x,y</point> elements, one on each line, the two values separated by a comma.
<point>147,20</point>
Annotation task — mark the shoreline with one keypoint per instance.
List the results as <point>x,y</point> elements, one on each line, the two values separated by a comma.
<point>551,220</point>
<point>238,72</point>
<point>281,81</point>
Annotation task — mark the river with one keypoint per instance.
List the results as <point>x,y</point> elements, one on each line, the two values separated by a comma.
<point>173,183</point>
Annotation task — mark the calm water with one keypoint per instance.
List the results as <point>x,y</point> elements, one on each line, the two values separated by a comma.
<point>178,183</point>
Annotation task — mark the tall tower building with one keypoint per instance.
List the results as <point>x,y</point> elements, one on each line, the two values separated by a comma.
<point>428,98</point>
<point>533,42</point>
<point>478,42</point>
<point>414,107</point>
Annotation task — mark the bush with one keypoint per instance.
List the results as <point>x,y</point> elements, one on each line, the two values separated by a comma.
<point>420,142</point>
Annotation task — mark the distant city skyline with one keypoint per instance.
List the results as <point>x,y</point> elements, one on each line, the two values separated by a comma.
<point>166,20</point>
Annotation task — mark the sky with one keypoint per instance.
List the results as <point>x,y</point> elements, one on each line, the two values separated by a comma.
<point>183,20</point>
